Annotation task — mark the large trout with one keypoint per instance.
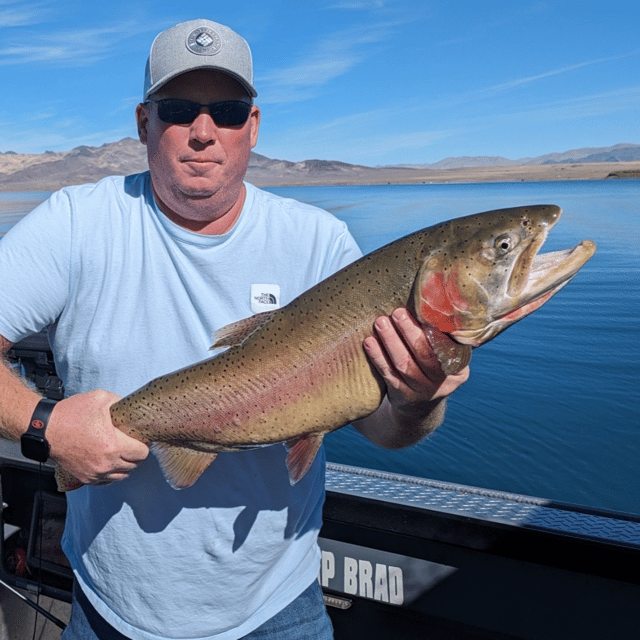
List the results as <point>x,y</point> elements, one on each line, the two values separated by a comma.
<point>297,373</point>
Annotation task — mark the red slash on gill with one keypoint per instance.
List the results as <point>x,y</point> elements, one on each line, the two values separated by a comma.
<point>440,300</point>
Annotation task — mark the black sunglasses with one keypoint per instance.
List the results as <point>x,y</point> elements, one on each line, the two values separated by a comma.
<point>229,113</point>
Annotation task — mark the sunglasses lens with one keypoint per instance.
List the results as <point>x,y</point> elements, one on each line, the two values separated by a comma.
<point>177,111</point>
<point>230,113</point>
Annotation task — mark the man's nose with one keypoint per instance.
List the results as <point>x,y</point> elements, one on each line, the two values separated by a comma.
<point>203,128</point>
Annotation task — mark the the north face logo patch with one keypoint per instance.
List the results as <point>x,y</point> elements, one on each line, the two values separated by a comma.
<point>265,297</point>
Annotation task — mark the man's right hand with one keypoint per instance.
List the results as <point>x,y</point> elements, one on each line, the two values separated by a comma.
<point>86,444</point>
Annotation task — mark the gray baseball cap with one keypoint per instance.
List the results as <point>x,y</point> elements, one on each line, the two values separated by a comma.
<point>198,44</point>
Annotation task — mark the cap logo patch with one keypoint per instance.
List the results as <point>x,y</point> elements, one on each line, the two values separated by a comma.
<point>204,41</point>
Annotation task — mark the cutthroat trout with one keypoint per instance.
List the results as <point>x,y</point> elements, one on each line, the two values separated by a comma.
<point>297,373</point>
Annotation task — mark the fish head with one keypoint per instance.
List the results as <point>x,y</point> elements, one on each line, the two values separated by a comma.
<point>482,273</point>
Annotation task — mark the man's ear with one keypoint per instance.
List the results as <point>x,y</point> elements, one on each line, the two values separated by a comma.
<point>255,125</point>
<point>142,119</point>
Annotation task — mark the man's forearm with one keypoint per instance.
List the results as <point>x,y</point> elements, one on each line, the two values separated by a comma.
<point>81,435</point>
<point>17,399</point>
<point>392,429</point>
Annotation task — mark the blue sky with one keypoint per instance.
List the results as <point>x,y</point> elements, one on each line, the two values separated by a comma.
<point>362,81</point>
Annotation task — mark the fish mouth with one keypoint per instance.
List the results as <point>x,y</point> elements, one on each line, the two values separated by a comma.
<point>548,273</point>
<point>539,278</point>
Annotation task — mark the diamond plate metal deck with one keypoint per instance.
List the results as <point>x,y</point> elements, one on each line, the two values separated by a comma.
<point>495,506</point>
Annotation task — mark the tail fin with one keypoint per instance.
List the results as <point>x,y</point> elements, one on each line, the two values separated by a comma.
<point>66,481</point>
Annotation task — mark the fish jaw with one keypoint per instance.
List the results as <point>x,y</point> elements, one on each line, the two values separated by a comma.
<point>547,275</point>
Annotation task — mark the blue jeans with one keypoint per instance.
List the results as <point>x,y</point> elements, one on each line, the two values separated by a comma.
<point>306,617</point>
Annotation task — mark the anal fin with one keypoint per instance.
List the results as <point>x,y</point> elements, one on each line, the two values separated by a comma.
<point>181,466</point>
<point>302,453</point>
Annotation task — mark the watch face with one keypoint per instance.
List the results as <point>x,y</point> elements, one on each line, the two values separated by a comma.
<point>34,447</point>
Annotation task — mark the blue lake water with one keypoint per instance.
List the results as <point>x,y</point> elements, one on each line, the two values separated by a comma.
<point>552,405</point>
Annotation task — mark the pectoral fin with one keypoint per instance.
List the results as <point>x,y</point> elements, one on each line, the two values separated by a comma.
<point>237,332</point>
<point>452,355</point>
<point>180,466</point>
<point>302,453</point>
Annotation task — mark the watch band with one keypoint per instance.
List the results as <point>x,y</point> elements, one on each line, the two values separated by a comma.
<point>33,443</point>
<point>41,414</point>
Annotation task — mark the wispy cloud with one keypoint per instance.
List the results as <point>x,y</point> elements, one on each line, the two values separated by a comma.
<point>587,106</point>
<point>348,138</point>
<point>484,123</point>
<point>21,14</point>
<point>69,47</point>
<point>330,58</point>
<point>518,82</point>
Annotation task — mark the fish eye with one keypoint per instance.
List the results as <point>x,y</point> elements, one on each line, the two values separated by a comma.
<point>505,243</point>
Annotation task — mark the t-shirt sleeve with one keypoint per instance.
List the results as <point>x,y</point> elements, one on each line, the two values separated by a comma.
<point>34,269</point>
<point>345,251</point>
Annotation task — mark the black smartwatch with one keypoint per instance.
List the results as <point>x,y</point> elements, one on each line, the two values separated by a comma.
<point>33,443</point>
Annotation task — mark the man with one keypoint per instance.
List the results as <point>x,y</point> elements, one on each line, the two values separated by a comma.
<point>132,276</point>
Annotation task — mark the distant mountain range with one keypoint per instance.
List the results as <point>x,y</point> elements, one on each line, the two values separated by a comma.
<point>623,152</point>
<point>52,170</point>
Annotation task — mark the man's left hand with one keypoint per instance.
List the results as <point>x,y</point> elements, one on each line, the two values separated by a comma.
<point>403,356</point>
<point>416,384</point>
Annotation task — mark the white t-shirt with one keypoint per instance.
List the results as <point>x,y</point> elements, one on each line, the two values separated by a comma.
<point>128,296</point>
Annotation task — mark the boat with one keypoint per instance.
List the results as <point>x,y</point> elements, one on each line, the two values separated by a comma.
<point>402,557</point>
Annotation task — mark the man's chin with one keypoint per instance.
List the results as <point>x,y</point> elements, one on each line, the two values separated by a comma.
<point>198,193</point>
<point>198,188</point>
<point>197,200</point>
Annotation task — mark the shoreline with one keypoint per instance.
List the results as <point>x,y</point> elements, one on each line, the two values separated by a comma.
<point>362,176</point>
<point>522,173</point>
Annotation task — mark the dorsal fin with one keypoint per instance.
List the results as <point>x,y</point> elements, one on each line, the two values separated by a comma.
<point>237,332</point>
<point>180,466</point>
